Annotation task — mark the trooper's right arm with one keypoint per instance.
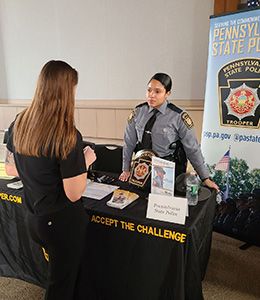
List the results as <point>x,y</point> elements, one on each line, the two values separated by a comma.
<point>130,140</point>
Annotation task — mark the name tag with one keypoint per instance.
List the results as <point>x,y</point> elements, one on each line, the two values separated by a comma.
<point>167,208</point>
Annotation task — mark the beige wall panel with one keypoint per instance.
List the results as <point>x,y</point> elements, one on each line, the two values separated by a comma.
<point>197,116</point>
<point>103,121</point>
<point>20,109</point>
<point>7,115</point>
<point>104,141</point>
<point>106,125</point>
<point>76,117</point>
<point>121,120</point>
<point>87,122</point>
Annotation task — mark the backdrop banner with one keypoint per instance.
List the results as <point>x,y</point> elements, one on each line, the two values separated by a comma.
<point>231,136</point>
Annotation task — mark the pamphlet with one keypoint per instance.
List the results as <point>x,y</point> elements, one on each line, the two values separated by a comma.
<point>3,174</point>
<point>122,198</point>
<point>162,179</point>
<point>98,191</point>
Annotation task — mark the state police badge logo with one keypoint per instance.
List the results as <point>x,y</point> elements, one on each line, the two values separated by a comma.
<point>239,93</point>
<point>141,169</point>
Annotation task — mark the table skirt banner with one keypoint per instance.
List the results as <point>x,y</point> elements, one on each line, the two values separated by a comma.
<point>20,256</point>
<point>231,136</point>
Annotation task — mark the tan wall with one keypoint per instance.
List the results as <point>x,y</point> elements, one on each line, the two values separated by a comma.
<point>102,121</point>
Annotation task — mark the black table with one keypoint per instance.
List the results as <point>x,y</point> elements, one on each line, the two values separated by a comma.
<point>128,257</point>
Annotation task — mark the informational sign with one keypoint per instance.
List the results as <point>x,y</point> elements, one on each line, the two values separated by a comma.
<point>167,208</point>
<point>231,136</point>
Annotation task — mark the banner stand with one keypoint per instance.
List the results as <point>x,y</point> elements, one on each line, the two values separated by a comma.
<point>230,133</point>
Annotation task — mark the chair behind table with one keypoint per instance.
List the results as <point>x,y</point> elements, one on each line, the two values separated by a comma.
<point>109,157</point>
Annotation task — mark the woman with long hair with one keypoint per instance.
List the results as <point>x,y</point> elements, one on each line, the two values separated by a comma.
<point>46,151</point>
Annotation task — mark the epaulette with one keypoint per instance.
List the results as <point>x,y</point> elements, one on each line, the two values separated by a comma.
<point>184,115</point>
<point>142,104</point>
<point>174,108</point>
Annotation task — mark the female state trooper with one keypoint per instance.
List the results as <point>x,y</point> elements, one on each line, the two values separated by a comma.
<point>47,151</point>
<point>164,128</point>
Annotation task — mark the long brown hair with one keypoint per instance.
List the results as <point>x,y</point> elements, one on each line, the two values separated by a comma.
<point>47,126</point>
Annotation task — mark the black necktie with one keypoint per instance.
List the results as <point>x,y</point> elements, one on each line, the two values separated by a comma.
<point>147,135</point>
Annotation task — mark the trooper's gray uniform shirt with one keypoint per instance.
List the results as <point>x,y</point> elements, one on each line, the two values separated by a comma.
<point>172,124</point>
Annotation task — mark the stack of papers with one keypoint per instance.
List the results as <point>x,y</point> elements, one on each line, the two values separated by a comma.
<point>3,174</point>
<point>98,191</point>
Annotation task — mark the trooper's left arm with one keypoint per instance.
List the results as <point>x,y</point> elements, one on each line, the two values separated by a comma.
<point>193,150</point>
<point>191,146</point>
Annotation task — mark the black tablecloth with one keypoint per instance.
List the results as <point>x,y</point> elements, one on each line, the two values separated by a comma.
<point>127,255</point>
<point>20,257</point>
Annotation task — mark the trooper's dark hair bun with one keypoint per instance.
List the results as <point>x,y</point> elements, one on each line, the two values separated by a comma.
<point>164,79</point>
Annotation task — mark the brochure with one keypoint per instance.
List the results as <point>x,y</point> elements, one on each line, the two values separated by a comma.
<point>98,191</point>
<point>122,198</point>
<point>162,179</point>
<point>3,174</point>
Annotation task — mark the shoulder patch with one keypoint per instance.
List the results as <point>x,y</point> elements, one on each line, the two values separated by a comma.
<point>174,108</point>
<point>131,116</point>
<point>187,120</point>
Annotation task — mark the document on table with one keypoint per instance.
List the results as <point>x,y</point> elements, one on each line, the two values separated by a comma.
<point>3,174</point>
<point>98,191</point>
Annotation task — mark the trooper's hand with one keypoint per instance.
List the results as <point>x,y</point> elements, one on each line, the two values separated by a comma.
<point>124,175</point>
<point>211,184</point>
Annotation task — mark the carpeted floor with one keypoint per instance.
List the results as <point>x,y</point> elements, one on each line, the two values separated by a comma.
<point>232,274</point>
<point>14,289</point>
